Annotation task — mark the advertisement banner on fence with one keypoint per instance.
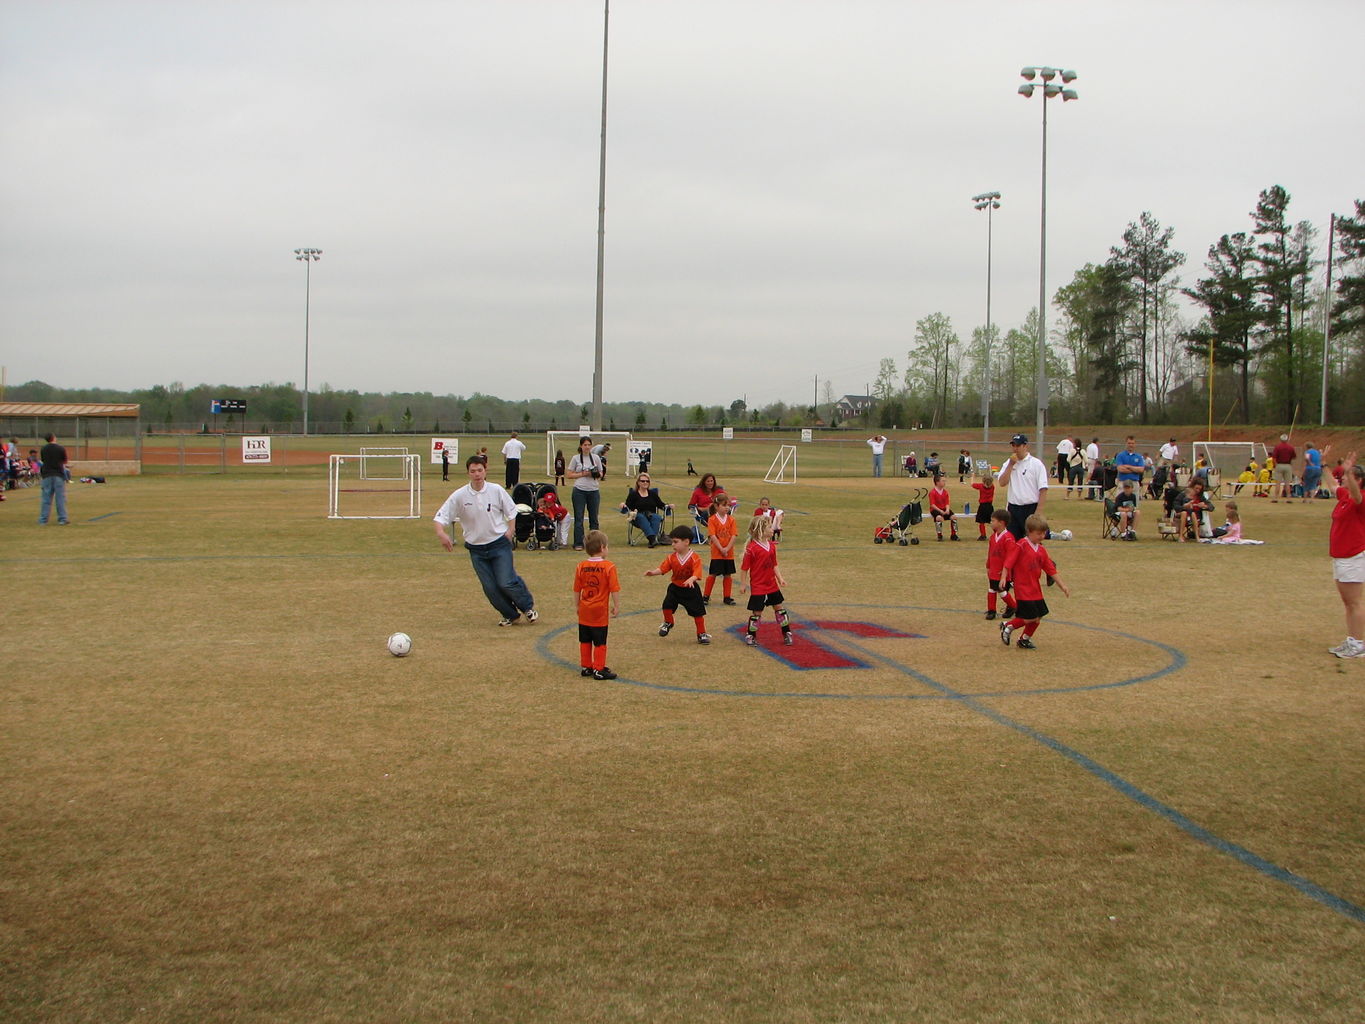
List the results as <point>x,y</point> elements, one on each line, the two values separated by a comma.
<point>255,450</point>
<point>446,444</point>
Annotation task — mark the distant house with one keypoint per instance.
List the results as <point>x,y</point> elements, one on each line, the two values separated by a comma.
<point>854,405</point>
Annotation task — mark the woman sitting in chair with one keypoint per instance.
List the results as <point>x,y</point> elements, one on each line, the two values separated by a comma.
<point>1191,508</point>
<point>645,508</point>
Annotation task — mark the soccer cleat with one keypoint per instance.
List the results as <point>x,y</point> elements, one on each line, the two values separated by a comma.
<point>1005,630</point>
<point>750,640</point>
<point>665,628</point>
<point>788,639</point>
<point>1025,644</point>
<point>940,536</point>
<point>703,638</point>
<point>585,671</point>
<point>731,601</point>
<point>706,600</point>
<point>506,622</point>
<point>990,615</point>
<point>604,673</point>
<point>982,537</point>
<point>532,615</point>
<point>953,537</point>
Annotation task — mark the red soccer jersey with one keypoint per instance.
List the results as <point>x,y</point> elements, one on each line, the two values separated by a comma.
<point>594,582</point>
<point>984,495</point>
<point>939,500</point>
<point>1026,564</point>
<point>760,562</point>
<point>1347,538</point>
<point>684,569</point>
<point>997,552</point>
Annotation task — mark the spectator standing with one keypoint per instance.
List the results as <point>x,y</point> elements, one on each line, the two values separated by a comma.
<point>53,471</point>
<point>1130,463</point>
<point>1170,454</point>
<point>1312,470</point>
<point>1065,448</point>
<point>511,457</point>
<point>878,446</point>
<point>445,463</point>
<point>1347,548</point>
<point>585,470</point>
<point>1092,468</point>
<point>1026,477</point>
<point>1284,454</point>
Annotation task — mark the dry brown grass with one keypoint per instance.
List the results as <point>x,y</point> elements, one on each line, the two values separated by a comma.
<point>224,801</point>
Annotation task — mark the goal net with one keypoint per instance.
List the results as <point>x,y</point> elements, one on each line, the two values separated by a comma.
<point>384,463</point>
<point>393,491</point>
<point>566,441</point>
<point>1226,460</point>
<point>783,469</point>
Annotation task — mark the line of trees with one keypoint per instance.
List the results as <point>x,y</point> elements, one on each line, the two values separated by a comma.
<point>1121,350</point>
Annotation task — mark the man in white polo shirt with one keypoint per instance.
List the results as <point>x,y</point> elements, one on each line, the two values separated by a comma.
<point>487,516</point>
<point>1026,478</point>
<point>511,457</point>
<point>878,446</point>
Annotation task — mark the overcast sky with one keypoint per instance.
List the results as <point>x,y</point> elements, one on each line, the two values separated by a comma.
<point>788,182</point>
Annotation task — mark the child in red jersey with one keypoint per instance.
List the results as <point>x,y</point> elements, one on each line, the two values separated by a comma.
<point>1025,564</point>
<point>765,508</point>
<point>684,587</point>
<point>595,593</point>
<point>941,506</point>
<point>985,502</point>
<point>549,506</point>
<point>760,576</point>
<point>723,530</point>
<point>1001,543</point>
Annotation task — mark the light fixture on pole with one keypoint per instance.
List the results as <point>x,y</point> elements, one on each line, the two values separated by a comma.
<point>990,202</point>
<point>1050,90</point>
<point>309,257</point>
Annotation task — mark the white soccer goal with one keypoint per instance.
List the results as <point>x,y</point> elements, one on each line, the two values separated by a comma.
<point>1226,460</point>
<point>394,492</point>
<point>783,469</point>
<point>566,441</point>
<point>385,463</point>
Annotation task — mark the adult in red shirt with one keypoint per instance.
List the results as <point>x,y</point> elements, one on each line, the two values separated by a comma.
<point>1346,545</point>
<point>1283,454</point>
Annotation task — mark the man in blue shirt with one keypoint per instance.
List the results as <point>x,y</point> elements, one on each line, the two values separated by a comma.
<point>1312,470</point>
<point>1130,464</point>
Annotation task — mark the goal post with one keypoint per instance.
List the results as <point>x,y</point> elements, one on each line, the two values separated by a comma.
<point>783,469</point>
<point>384,463</point>
<point>1226,460</point>
<point>374,486</point>
<point>566,441</point>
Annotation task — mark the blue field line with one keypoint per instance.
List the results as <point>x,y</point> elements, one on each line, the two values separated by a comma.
<point>96,519</point>
<point>1140,797</point>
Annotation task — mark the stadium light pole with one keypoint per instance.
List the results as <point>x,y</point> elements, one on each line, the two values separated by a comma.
<point>1327,324</point>
<point>990,202</point>
<point>601,229</point>
<point>309,257</point>
<point>1050,90</point>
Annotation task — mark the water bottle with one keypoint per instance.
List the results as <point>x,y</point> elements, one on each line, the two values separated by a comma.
<point>967,509</point>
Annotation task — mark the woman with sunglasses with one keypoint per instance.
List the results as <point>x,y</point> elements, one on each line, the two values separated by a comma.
<point>645,508</point>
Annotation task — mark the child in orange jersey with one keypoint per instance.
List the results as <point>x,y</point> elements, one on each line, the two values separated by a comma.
<point>985,502</point>
<point>723,530</point>
<point>595,593</point>
<point>1025,566</point>
<point>760,568</point>
<point>684,586</point>
<point>997,553</point>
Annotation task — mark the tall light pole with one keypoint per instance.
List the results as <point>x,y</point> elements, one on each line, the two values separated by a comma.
<point>601,228</point>
<point>1327,325</point>
<point>309,257</point>
<point>990,202</point>
<point>1050,89</point>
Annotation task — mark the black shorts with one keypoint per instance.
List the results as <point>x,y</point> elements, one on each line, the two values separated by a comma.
<point>595,635</point>
<point>757,602</point>
<point>1031,609</point>
<point>984,511</point>
<point>688,597</point>
<point>722,567</point>
<point>997,587</point>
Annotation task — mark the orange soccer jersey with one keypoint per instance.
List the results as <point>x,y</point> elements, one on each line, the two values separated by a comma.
<point>723,534</point>
<point>684,570</point>
<point>594,582</point>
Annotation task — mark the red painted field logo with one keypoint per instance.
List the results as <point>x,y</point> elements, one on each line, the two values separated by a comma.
<point>810,651</point>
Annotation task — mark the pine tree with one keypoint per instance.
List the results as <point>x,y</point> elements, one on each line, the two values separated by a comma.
<point>1145,260</point>
<point>1228,296</point>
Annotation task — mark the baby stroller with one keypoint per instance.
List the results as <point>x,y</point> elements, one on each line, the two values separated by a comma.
<point>901,528</point>
<point>546,531</point>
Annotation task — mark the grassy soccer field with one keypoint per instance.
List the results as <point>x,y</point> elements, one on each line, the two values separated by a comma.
<point>224,801</point>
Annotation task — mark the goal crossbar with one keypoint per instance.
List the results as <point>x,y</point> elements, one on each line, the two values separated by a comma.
<point>348,484</point>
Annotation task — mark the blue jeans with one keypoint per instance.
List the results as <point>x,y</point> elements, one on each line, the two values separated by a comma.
<point>53,487</point>
<point>592,502</point>
<point>649,523</point>
<point>876,464</point>
<point>504,589</point>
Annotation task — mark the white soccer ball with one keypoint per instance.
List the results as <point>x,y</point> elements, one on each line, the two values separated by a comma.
<point>1067,535</point>
<point>400,644</point>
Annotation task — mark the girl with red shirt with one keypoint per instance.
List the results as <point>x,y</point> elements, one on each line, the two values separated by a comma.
<point>1024,565</point>
<point>760,568</point>
<point>985,502</point>
<point>1346,545</point>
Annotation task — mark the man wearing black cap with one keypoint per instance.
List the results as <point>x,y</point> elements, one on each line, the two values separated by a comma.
<point>1026,478</point>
